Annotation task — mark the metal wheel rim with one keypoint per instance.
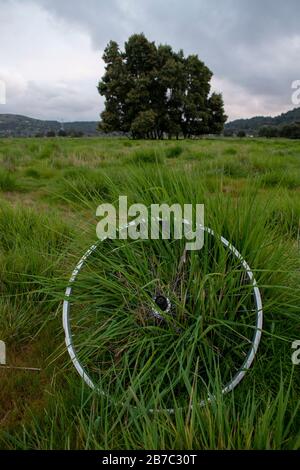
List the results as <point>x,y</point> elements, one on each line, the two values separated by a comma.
<point>255,340</point>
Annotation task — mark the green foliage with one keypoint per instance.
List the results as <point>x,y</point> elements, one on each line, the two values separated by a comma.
<point>152,91</point>
<point>143,125</point>
<point>216,114</point>
<point>268,131</point>
<point>290,131</point>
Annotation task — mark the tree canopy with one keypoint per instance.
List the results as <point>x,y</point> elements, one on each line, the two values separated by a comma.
<point>151,91</point>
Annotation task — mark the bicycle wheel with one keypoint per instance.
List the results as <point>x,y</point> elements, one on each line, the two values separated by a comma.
<point>147,321</point>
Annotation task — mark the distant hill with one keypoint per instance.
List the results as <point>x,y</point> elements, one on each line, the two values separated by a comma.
<point>252,125</point>
<point>15,125</point>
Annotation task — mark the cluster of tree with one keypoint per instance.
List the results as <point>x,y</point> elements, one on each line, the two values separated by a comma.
<point>70,133</point>
<point>151,91</point>
<point>60,133</point>
<point>230,133</point>
<point>289,131</point>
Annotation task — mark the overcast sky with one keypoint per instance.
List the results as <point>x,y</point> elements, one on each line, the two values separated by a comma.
<point>50,50</point>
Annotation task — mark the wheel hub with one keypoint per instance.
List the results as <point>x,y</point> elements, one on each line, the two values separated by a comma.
<point>164,305</point>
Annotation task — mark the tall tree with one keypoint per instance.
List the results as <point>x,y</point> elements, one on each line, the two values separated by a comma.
<point>113,88</point>
<point>217,117</point>
<point>152,91</point>
<point>195,99</point>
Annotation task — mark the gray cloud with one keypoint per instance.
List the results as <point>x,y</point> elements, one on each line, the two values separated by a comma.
<point>56,101</point>
<point>252,46</point>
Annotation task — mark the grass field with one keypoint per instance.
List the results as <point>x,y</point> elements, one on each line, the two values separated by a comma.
<point>49,192</point>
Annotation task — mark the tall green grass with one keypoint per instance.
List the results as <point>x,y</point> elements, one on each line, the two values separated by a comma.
<point>30,246</point>
<point>86,421</point>
<point>250,197</point>
<point>8,181</point>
